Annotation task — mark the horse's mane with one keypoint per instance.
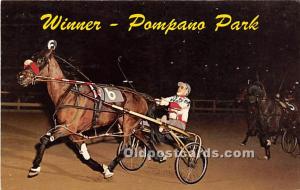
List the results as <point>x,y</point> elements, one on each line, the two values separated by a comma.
<point>70,72</point>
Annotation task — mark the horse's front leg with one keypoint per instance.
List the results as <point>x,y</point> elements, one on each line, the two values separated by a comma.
<point>244,142</point>
<point>267,149</point>
<point>250,131</point>
<point>50,136</point>
<point>36,168</point>
<point>85,155</point>
<point>266,143</point>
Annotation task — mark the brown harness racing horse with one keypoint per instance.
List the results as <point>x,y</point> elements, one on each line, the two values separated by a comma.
<point>75,109</point>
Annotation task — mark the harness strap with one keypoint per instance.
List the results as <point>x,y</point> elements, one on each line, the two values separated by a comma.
<point>97,111</point>
<point>60,101</point>
<point>97,107</point>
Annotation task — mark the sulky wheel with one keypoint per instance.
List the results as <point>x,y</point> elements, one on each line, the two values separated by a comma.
<point>191,167</point>
<point>288,142</point>
<point>135,154</point>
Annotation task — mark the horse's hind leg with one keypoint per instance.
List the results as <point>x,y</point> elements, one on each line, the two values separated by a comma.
<point>278,131</point>
<point>119,157</point>
<point>129,124</point>
<point>44,141</point>
<point>151,146</point>
<point>83,151</point>
<point>274,140</point>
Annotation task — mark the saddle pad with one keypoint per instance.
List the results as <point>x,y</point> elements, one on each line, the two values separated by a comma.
<point>110,94</point>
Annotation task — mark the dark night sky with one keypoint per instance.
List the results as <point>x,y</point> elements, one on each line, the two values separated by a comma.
<point>206,59</point>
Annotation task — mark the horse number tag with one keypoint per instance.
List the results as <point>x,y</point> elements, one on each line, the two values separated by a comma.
<point>110,94</point>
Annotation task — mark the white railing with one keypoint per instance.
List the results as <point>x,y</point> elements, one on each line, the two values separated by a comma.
<point>198,105</point>
<point>17,104</point>
<point>216,106</point>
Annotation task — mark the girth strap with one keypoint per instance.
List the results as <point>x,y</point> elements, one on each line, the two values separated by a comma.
<point>97,109</point>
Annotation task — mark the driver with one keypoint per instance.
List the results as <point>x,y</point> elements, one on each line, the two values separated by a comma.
<point>178,106</point>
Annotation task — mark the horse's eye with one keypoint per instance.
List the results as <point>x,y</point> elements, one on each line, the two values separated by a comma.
<point>40,61</point>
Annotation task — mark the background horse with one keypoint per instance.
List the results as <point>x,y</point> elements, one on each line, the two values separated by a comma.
<point>75,111</point>
<point>264,116</point>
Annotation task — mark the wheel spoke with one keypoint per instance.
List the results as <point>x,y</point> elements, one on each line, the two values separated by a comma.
<point>289,142</point>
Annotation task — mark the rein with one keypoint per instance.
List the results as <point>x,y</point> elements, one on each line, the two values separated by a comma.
<point>73,67</point>
<point>68,81</point>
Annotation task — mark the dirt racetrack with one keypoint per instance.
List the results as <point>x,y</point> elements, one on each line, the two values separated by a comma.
<point>62,170</point>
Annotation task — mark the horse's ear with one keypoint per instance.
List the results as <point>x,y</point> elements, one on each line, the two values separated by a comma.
<point>52,44</point>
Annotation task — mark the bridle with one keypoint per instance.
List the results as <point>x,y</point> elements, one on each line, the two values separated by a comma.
<point>43,61</point>
<point>36,65</point>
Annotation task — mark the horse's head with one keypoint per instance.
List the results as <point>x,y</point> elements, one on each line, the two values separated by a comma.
<point>256,92</point>
<point>252,93</point>
<point>37,65</point>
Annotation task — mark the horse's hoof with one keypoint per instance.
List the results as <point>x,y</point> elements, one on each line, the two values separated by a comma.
<point>107,173</point>
<point>159,159</point>
<point>163,159</point>
<point>34,172</point>
<point>266,158</point>
<point>243,144</point>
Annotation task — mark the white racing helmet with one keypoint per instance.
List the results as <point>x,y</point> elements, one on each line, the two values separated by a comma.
<point>186,85</point>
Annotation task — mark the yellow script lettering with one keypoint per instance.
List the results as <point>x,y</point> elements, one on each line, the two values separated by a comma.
<point>57,23</point>
<point>135,22</point>
<point>222,23</point>
<point>50,22</point>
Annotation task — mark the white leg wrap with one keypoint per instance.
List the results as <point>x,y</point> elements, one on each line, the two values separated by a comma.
<point>107,173</point>
<point>38,169</point>
<point>83,151</point>
<point>34,171</point>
